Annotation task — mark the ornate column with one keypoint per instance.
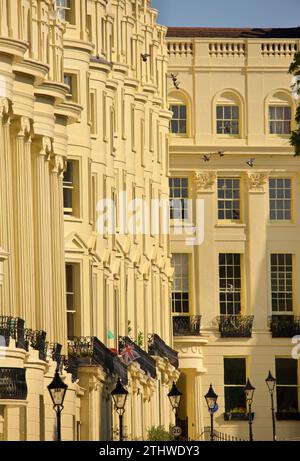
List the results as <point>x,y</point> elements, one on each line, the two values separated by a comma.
<point>57,166</point>
<point>204,190</point>
<point>42,226</point>
<point>5,304</point>
<point>23,221</point>
<point>256,260</point>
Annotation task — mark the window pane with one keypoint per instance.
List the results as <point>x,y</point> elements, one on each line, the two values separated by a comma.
<point>235,399</point>
<point>235,371</point>
<point>287,399</point>
<point>220,112</point>
<point>286,371</point>
<point>183,112</point>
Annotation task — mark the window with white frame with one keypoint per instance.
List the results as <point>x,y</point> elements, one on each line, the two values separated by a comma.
<point>287,385</point>
<point>71,188</point>
<point>71,81</point>
<point>280,119</point>
<point>230,283</point>
<point>179,192</point>
<point>178,124</point>
<point>180,291</point>
<point>280,198</point>
<point>229,207</point>
<point>282,283</point>
<point>227,119</point>
<point>65,10</point>
<point>72,299</point>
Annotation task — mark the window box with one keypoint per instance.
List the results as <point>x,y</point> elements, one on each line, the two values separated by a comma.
<point>288,416</point>
<point>237,416</point>
<point>235,326</point>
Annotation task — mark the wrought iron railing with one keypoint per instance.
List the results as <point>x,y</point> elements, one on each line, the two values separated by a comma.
<point>156,346</point>
<point>235,326</point>
<point>13,384</point>
<point>145,360</point>
<point>219,436</point>
<point>284,326</point>
<point>90,348</point>
<point>12,328</point>
<point>187,325</point>
<point>37,340</point>
<point>54,350</point>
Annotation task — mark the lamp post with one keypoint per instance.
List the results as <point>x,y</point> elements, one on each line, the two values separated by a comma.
<point>211,401</point>
<point>271,383</point>
<point>249,392</point>
<point>175,397</point>
<point>119,395</point>
<point>57,389</point>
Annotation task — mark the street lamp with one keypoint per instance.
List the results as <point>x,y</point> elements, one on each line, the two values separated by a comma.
<point>175,397</point>
<point>271,383</point>
<point>249,392</point>
<point>211,401</point>
<point>119,395</point>
<point>57,389</point>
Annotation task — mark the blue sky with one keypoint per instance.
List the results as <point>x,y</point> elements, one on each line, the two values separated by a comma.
<point>228,13</point>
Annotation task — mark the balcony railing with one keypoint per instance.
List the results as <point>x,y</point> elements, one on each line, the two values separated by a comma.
<point>156,346</point>
<point>284,326</point>
<point>13,384</point>
<point>12,328</point>
<point>145,361</point>
<point>37,340</point>
<point>55,351</point>
<point>91,350</point>
<point>187,325</point>
<point>235,326</point>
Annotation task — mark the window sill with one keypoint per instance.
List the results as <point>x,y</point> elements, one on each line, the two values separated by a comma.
<point>287,416</point>
<point>69,218</point>
<point>281,224</point>
<point>238,225</point>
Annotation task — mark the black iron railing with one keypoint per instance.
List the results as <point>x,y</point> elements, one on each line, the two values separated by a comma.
<point>145,360</point>
<point>54,350</point>
<point>12,328</point>
<point>90,349</point>
<point>187,325</point>
<point>284,326</point>
<point>156,346</point>
<point>37,340</point>
<point>13,384</point>
<point>235,326</point>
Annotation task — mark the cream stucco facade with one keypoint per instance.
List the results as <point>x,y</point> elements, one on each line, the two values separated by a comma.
<point>83,118</point>
<point>248,70</point>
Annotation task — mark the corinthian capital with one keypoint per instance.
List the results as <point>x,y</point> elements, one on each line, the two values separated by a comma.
<point>23,126</point>
<point>4,106</point>
<point>58,164</point>
<point>46,148</point>
<point>257,180</point>
<point>205,181</point>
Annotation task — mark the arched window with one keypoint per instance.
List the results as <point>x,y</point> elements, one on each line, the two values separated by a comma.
<point>178,105</point>
<point>228,109</point>
<point>279,114</point>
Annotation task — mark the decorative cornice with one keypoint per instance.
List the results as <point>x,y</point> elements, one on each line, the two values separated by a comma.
<point>205,181</point>
<point>257,180</point>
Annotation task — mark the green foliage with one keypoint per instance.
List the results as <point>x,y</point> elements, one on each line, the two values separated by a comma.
<point>159,434</point>
<point>140,339</point>
<point>294,69</point>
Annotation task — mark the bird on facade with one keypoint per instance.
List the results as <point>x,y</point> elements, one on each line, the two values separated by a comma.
<point>175,81</point>
<point>250,162</point>
<point>206,158</point>
<point>221,154</point>
<point>145,56</point>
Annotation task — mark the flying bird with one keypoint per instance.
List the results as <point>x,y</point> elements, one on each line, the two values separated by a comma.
<point>175,81</point>
<point>250,162</point>
<point>206,158</point>
<point>145,56</point>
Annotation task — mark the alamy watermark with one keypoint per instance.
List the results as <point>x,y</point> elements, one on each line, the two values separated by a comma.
<point>139,217</point>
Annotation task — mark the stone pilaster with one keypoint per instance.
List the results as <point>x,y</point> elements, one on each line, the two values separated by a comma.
<point>23,221</point>
<point>204,182</point>
<point>58,253</point>
<point>42,228</point>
